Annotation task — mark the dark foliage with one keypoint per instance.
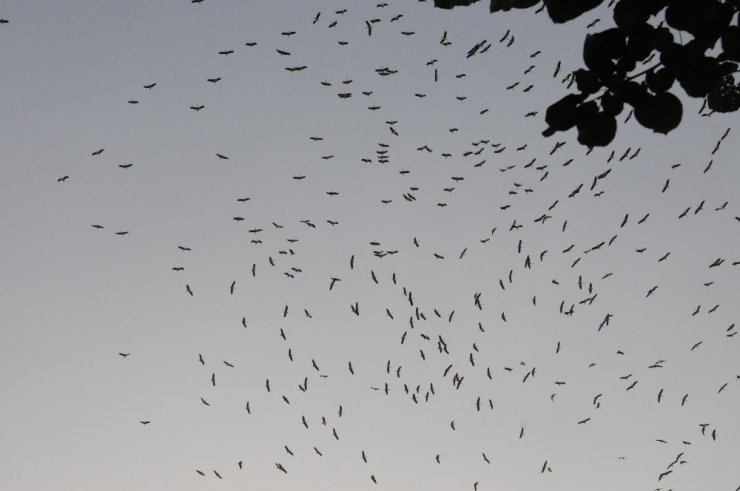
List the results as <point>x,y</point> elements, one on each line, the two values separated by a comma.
<point>655,44</point>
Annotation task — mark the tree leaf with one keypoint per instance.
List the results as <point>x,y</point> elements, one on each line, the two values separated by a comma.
<point>561,116</point>
<point>634,94</point>
<point>600,49</point>
<point>697,73</point>
<point>564,10</point>
<point>661,113</point>
<point>663,40</point>
<point>731,44</point>
<point>703,19</point>
<point>631,13</point>
<point>586,81</point>
<point>682,14</point>
<point>668,112</point>
<point>595,128</point>
<point>505,5</point>
<point>612,103</point>
<point>640,41</point>
<point>660,80</point>
<point>726,98</point>
<point>449,4</point>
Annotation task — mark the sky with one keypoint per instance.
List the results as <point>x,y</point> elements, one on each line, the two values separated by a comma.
<point>413,239</point>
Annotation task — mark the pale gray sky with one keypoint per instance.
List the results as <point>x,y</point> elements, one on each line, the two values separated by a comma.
<point>74,296</point>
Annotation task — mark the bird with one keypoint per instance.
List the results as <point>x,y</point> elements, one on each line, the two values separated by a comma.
<point>557,69</point>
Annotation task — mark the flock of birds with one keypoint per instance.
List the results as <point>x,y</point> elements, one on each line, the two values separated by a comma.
<point>448,354</point>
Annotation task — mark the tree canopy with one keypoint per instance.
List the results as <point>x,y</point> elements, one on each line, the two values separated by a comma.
<point>654,44</point>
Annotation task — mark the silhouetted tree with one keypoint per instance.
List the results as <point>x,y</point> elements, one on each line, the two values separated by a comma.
<point>638,61</point>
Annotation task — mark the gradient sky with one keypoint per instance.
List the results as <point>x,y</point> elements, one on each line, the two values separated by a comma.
<point>74,296</point>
